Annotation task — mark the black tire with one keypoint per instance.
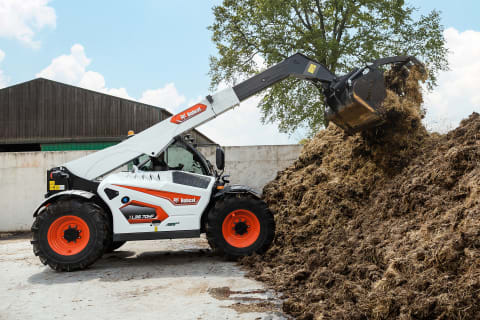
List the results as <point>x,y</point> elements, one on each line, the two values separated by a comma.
<point>114,245</point>
<point>91,214</point>
<point>219,213</point>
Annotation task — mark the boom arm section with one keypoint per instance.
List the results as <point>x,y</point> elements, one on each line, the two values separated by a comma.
<point>298,66</point>
<point>156,139</point>
<point>353,103</point>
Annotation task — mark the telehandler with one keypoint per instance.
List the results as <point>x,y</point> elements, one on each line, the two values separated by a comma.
<point>173,191</point>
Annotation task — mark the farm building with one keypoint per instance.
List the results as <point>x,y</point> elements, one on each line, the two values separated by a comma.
<point>45,115</point>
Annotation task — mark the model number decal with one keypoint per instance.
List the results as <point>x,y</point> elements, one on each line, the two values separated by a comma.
<point>141,216</point>
<point>141,212</point>
<point>172,224</point>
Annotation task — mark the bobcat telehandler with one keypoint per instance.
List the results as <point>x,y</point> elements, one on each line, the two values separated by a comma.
<point>173,191</point>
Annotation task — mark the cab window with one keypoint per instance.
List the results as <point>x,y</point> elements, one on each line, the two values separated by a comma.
<point>176,157</point>
<point>179,157</point>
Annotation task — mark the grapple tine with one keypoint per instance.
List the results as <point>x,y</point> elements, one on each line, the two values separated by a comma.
<point>354,102</point>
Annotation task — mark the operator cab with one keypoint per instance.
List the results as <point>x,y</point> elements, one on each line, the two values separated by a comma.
<point>180,155</point>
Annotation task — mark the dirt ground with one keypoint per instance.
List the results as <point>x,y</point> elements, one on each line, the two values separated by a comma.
<point>165,279</point>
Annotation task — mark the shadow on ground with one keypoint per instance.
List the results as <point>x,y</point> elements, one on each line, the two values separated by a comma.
<point>127,265</point>
<point>15,235</point>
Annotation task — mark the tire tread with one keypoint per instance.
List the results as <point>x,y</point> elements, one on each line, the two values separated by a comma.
<point>100,220</point>
<point>215,220</point>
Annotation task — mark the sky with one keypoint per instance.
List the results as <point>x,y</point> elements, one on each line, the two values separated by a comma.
<point>157,52</point>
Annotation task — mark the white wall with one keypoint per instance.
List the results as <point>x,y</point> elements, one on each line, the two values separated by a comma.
<point>23,184</point>
<point>254,166</point>
<point>23,175</point>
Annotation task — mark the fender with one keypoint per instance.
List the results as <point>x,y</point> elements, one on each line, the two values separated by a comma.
<point>230,189</point>
<point>236,188</point>
<point>69,193</point>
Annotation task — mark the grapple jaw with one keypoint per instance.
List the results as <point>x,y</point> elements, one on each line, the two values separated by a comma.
<point>357,106</point>
<point>354,102</point>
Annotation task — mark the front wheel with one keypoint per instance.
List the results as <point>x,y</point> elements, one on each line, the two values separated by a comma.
<point>240,225</point>
<point>70,234</point>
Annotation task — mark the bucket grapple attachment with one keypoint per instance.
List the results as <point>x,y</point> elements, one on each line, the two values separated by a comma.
<point>354,102</point>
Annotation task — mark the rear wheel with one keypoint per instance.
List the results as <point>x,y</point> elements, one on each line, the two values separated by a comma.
<point>70,234</point>
<point>240,225</point>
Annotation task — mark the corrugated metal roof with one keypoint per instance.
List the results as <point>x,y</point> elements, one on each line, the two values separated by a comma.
<point>46,111</point>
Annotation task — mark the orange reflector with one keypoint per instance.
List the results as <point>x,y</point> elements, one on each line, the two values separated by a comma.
<point>220,187</point>
<point>131,133</point>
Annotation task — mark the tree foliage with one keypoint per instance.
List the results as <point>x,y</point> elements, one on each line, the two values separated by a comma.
<point>341,34</point>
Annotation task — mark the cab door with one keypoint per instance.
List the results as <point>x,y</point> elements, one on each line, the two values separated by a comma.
<point>168,193</point>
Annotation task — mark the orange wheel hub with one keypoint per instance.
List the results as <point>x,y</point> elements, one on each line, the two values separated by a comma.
<point>241,228</point>
<point>68,235</point>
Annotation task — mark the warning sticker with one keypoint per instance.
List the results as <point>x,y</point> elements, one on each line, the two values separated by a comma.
<point>55,187</point>
<point>311,68</point>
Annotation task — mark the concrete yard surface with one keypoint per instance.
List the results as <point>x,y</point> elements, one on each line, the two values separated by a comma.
<point>164,279</point>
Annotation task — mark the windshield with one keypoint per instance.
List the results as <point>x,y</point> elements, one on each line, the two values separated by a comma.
<point>178,156</point>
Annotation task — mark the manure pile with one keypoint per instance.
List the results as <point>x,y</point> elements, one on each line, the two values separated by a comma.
<point>379,225</point>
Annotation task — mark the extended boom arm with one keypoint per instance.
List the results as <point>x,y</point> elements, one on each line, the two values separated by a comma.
<point>155,139</point>
<point>353,101</point>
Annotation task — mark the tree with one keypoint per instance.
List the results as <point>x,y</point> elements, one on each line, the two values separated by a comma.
<point>341,34</point>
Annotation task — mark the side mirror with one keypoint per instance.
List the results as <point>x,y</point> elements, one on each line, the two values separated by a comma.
<point>220,158</point>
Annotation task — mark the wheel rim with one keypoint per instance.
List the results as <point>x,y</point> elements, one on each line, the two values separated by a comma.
<point>68,235</point>
<point>241,228</point>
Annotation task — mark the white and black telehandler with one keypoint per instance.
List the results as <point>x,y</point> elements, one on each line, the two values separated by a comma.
<point>172,191</point>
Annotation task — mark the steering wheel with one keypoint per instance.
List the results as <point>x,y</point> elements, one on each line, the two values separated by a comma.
<point>179,167</point>
<point>196,165</point>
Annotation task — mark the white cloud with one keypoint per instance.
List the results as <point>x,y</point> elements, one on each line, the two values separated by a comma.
<point>67,68</point>
<point>458,93</point>
<point>21,19</point>
<point>3,78</point>
<point>92,80</point>
<point>119,92</point>
<point>72,69</point>
<point>166,97</point>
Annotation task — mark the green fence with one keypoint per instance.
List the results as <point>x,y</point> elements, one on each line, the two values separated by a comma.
<point>76,146</point>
